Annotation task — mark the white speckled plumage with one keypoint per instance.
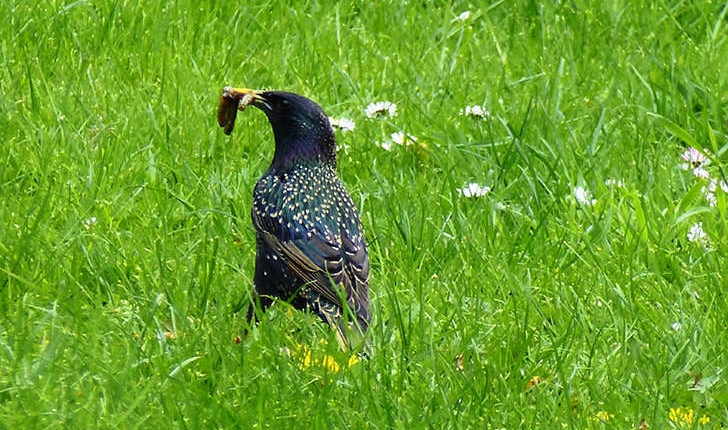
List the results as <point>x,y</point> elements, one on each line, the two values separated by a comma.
<point>311,248</point>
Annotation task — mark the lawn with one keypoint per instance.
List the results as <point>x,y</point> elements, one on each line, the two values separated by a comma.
<point>546,212</point>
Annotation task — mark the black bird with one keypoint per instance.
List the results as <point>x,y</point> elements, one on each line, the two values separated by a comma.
<point>311,249</point>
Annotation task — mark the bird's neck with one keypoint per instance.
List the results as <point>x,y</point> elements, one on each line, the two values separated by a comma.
<point>304,152</point>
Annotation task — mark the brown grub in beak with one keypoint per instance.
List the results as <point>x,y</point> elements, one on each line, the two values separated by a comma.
<point>232,100</point>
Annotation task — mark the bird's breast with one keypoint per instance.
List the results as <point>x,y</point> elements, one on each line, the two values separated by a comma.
<point>302,202</point>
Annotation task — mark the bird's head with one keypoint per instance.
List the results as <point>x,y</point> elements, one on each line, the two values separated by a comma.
<point>300,126</point>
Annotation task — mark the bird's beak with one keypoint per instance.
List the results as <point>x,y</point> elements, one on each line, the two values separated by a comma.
<point>235,99</point>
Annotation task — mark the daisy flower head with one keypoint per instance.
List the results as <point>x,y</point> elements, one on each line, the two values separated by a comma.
<point>464,16</point>
<point>709,192</point>
<point>614,183</point>
<point>693,156</point>
<point>398,138</point>
<point>402,138</point>
<point>89,222</point>
<point>695,160</point>
<point>475,111</point>
<point>473,190</point>
<point>700,172</point>
<point>711,198</point>
<point>343,124</point>
<point>386,145</point>
<point>381,109</point>
<point>583,196</point>
<point>696,234</point>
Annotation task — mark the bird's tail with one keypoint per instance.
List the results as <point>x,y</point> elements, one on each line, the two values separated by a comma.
<point>351,336</point>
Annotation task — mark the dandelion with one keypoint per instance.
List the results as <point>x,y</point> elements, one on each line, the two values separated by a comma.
<point>602,416</point>
<point>354,359</point>
<point>473,190</point>
<point>683,417</point>
<point>703,420</point>
<point>379,109</point>
<point>475,111</point>
<point>330,363</point>
<point>534,382</point>
<point>343,124</point>
<point>583,196</point>
<point>696,233</point>
<point>304,356</point>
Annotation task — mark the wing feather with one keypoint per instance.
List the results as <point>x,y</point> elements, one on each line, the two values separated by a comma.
<point>298,255</point>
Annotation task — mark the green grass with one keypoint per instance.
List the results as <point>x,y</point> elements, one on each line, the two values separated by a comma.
<point>126,247</point>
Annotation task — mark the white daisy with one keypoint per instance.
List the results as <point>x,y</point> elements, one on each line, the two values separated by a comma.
<point>343,124</point>
<point>89,222</point>
<point>583,196</point>
<point>724,186</point>
<point>697,234</point>
<point>711,198</point>
<point>475,111</point>
<point>379,109</point>
<point>700,172</point>
<point>473,190</point>
<point>614,182</point>
<point>464,16</point>
<point>401,138</point>
<point>693,156</point>
<point>709,192</point>
<point>398,138</point>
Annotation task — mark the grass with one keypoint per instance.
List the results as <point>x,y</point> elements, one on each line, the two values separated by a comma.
<point>126,247</point>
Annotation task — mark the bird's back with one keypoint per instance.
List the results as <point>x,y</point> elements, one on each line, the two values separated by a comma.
<point>311,246</point>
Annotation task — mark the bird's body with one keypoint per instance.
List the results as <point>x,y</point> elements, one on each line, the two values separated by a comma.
<point>311,248</point>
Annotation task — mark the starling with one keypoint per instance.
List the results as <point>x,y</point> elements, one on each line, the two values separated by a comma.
<point>311,249</point>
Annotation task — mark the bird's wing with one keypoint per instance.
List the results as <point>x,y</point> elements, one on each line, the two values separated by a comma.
<point>317,262</point>
<point>356,263</point>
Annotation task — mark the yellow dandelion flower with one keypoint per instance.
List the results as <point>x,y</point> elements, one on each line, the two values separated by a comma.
<point>683,417</point>
<point>536,380</point>
<point>306,359</point>
<point>330,363</point>
<point>704,420</point>
<point>353,360</point>
<point>602,416</point>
